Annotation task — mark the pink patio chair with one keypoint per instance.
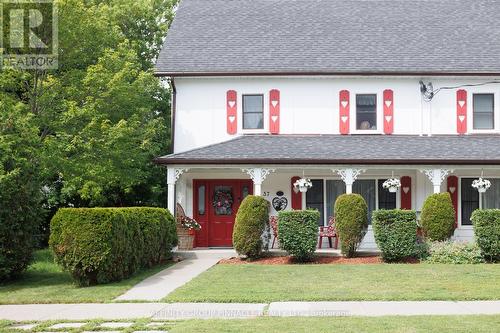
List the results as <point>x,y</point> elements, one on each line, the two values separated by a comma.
<point>273,222</point>
<point>330,232</point>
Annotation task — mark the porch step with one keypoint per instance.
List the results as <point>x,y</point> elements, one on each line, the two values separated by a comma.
<point>204,253</point>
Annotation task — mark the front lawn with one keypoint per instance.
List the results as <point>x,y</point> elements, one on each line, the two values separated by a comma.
<point>270,283</point>
<point>45,282</point>
<point>437,324</point>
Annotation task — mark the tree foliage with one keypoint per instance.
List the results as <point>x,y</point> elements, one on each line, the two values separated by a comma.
<point>97,121</point>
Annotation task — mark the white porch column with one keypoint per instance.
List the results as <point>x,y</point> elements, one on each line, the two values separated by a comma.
<point>258,176</point>
<point>436,176</point>
<point>349,176</point>
<point>173,175</point>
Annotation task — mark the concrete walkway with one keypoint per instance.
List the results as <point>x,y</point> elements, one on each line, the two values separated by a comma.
<point>158,286</point>
<point>164,311</point>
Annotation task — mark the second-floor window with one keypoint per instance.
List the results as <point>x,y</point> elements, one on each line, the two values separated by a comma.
<point>483,110</point>
<point>366,111</point>
<point>253,111</point>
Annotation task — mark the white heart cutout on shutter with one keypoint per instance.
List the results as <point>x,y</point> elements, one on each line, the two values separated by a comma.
<point>232,118</point>
<point>388,103</point>
<point>274,103</point>
<point>452,189</point>
<point>461,103</point>
<point>388,118</point>
<point>344,103</point>
<point>231,104</point>
<point>344,118</point>
<point>406,190</point>
<point>274,118</point>
<point>461,118</point>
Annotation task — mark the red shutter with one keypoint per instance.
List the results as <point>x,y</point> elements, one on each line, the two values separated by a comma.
<point>274,111</point>
<point>296,196</point>
<point>452,186</point>
<point>232,114</point>
<point>461,111</point>
<point>406,192</point>
<point>388,111</point>
<point>344,112</point>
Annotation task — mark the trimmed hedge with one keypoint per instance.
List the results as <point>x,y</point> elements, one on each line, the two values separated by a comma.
<point>298,233</point>
<point>100,245</point>
<point>487,232</point>
<point>395,233</point>
<point>352,221</point>
<point>252,221</point>
<point>438,217</point>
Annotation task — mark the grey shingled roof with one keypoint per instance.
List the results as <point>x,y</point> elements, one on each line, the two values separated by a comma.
<point>339,149</point>
<point>333,37</point>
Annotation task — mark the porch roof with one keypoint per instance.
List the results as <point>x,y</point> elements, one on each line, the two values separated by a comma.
<point>349,149</point>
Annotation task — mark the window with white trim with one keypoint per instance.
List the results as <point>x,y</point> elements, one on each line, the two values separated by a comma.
<point>483,111</point>
<point>366,111</point>
<point>253,111</point>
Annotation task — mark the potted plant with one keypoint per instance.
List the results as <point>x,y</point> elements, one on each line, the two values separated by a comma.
<point>190,224</point>
<point>481,184</point>
<point>302,185</point>
<point>392,184</point>
<point>186,230</point>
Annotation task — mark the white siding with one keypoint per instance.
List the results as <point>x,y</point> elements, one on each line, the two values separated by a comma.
<point>311,105</point>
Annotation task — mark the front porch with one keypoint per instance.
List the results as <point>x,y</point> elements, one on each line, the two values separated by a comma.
<point>195,187</point>
<point>268,165</point>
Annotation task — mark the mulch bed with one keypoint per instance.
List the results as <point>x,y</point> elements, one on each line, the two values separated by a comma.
<point>283,260</point>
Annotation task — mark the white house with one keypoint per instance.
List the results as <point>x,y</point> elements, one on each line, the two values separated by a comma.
<point>347,93</point>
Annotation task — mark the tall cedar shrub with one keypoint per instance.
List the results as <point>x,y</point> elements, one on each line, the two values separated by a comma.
<point>351,219</point>
<point>395,233</point>
<point>298,233</point>
<point>438,217</point>
<point>487,232</point>
<point>252,224</point>
<point>100,245</point>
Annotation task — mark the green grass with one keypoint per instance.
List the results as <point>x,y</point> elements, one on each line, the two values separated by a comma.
<point>441,324</point>
<point>267,283</point>
<point>45,282</point>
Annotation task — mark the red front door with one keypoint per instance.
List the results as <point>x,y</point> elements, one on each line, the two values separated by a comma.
<point>216,203</point>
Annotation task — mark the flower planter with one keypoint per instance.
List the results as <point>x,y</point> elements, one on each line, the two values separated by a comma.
<point>481,189</point>
<point>191,232</point>
<point>393,189</point>
<point>185,238</point>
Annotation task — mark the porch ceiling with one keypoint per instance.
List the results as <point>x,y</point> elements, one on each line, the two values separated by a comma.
<point>349,149</point>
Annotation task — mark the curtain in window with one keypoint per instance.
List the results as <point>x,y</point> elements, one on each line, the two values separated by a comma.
<point>491,199</point>
<point>334,188</point>
<point>366,188</point>
<point>386,199</point>
<point>470,200</point>
<point>315,200</point>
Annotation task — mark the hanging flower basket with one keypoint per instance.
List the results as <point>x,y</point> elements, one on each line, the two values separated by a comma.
<point>302,185</point>
<point>392,184</point>
<point>481,184</point>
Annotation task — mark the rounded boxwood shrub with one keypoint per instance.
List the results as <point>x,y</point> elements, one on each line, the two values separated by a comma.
<point>100,245</point>
<point>395,233</point>
<point>252,222</point>
<point>352,221</point>
<point>438,217</point>
<point>298,233</point>
<point>487,232</point>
